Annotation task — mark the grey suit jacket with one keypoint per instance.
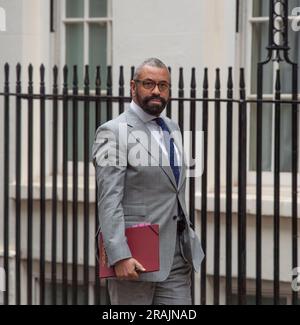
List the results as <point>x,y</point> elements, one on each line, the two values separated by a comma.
<point>136,185</point>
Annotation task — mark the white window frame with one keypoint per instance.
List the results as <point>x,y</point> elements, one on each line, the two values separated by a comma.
<point>86,20</point>
<point>268,177</point>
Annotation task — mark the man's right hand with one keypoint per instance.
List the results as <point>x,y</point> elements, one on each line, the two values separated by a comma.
<point>128,269</point>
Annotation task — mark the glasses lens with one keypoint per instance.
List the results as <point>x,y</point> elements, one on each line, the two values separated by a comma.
<point>149,84</point>
<point>163,86</point>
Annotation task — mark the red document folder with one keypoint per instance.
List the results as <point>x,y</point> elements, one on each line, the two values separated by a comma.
<point>143,242</point>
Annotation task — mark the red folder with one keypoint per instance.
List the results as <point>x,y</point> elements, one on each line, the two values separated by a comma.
<point>143,242</point>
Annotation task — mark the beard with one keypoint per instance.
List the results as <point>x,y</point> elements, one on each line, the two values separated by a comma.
<point>152,108</point>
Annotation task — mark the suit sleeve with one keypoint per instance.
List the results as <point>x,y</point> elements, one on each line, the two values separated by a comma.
<point>110,161</point>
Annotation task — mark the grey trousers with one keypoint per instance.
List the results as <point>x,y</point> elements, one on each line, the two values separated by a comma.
<point>175,290</point>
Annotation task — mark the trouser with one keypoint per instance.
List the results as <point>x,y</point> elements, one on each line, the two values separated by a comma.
<point>175,290</point>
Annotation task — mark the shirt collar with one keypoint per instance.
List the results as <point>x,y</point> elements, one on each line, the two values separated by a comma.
<point>144,116</point>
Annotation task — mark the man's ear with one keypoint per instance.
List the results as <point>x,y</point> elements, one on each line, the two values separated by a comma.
<point>132,88</point>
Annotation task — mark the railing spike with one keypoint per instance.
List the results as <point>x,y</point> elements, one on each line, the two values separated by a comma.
<point>132,72</point>
<point>277,83</point>
<point>18,72</point>
<point>193,79</point>
<point>218,81</point>
<point>86,76</point>
<point>30,73</point>
<point>55,75</point>
<point>230,81</point>
<point>98,76</point>
<point>242,78</point>
<point>109,77</point>
<point>75,76</point>
<point>65,75</point>
<point>42,73</point>
<point>205,79</point>
<point>181,81</point>
<point>121,77</point>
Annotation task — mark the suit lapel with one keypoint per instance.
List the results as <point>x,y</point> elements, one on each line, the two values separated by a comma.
<point>152,147</point>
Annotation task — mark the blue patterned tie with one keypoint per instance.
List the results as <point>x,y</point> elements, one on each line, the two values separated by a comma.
<point>169,142</point>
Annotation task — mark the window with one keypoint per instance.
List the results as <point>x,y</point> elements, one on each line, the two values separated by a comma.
<point>86,41</point>
<point>87,28</point>
<point>260,39</point>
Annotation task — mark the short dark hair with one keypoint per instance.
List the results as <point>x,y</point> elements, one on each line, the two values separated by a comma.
<point>152,62</point>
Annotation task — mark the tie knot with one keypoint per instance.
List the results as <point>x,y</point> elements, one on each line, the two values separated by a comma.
<point>161,123</point>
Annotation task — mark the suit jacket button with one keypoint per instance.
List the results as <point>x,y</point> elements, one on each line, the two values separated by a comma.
<point>175,217</point>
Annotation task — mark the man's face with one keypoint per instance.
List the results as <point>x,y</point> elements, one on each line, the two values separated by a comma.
<point>152,101</point>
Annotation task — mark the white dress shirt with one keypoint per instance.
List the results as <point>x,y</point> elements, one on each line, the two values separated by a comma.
<point>153,127</point>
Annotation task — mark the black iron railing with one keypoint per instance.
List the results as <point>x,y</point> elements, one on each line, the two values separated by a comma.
<point>192,109</point>
<point>66,274</point>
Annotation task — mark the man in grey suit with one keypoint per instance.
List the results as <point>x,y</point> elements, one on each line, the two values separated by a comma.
<point>141,176</point>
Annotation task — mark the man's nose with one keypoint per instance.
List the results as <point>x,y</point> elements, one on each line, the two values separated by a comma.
<point>156,90</point>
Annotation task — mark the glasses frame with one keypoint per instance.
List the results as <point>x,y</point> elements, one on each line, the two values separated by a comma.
<point>159,84</point>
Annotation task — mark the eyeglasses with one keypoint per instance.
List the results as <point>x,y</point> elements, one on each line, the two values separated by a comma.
<point>151,84</point>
